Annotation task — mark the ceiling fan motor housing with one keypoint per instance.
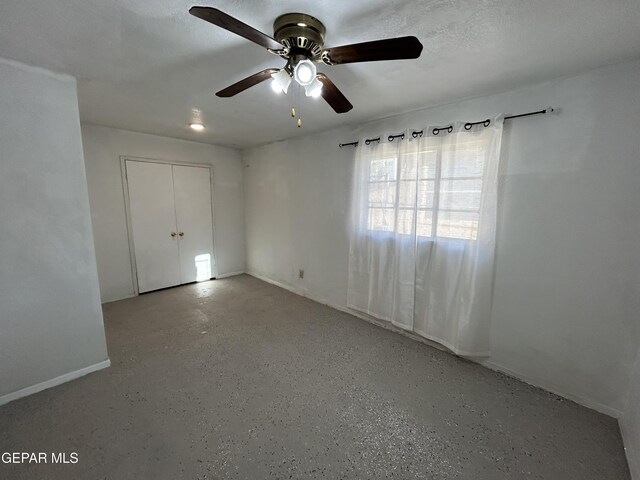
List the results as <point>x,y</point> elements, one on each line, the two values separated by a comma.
<point>300,34</point>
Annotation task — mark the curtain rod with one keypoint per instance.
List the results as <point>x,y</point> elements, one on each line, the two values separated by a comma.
<point>436,131</point>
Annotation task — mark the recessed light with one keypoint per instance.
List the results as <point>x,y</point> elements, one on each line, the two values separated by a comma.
<point>300,24</point>
<point>197,126</point>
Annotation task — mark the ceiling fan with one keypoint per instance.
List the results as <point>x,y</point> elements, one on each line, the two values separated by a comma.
<point>299,38</point>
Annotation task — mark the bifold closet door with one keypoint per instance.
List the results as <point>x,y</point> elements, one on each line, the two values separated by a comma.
<point>192,193</point>
<point>153,218</point>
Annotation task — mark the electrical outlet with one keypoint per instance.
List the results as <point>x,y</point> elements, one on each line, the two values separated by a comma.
<point>301,273</point>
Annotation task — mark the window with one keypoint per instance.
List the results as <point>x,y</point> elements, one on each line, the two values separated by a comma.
<point>436,191</point>
<point>382,194</point>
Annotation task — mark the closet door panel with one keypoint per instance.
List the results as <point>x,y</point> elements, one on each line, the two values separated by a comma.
<point>151,205</point>
<point>192,192</point>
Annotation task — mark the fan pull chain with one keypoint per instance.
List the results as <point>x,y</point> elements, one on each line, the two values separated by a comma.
<point>295,92</point>
<point>299,108</point>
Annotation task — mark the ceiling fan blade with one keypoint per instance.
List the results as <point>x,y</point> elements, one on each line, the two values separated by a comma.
<point>221,19</point>
<point>245,83</point>
<point>389,49</point>
<point>333,96</point>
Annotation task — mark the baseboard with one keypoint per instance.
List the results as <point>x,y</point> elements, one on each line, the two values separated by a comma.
<point>355,313</point>
<point>286,286</point>
<point>230,274</point>
<point>630,450</point>
<point>613,412</point>
<point>9,397</point>
<point>587,402</point>
<point>131,295</point>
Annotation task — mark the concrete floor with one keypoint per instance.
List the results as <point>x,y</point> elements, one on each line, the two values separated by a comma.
<point>237,378</point>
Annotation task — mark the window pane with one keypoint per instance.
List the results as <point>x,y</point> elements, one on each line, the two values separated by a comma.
<point>463,225</point>
<point>463,162</point>
<point>382,170</point>
<point>460,194</point>
<point>408,166</point>
<point>426,193</point>
<point>405,221</point>
<point>382,219</point>
<point>427,164</point>
<point>382,194</point>
<point>424,223</point>
<point>407,194</point>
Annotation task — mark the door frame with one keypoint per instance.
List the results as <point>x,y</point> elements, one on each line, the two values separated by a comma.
<point>127,209</point>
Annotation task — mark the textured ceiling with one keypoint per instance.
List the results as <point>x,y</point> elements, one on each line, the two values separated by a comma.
<point>149,66</point>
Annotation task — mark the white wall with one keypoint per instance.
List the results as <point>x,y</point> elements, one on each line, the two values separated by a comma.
<point>50,314</point>
<point>103,148</point>
<point>567,284</point>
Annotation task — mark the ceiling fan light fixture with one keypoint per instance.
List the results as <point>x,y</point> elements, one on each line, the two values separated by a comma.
<point>314,89</point>
<point>305,72</point>
<point>275,86</point>
<point>300,39</point>
<point>281,81</point>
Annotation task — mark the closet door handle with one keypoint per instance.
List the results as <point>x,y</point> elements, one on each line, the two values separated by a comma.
<point>173,234</point>
<point>181,234</point>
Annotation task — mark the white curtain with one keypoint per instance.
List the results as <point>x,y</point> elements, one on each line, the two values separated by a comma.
<point>423,228</point>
